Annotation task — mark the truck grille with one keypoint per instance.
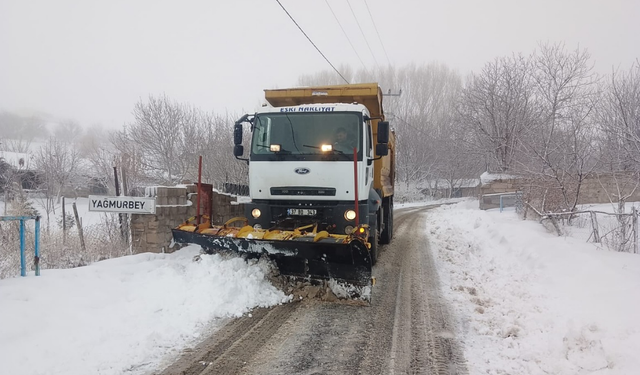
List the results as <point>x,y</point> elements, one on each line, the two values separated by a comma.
<point>313,191</point>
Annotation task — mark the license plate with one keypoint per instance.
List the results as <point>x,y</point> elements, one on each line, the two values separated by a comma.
<point>301,212</point>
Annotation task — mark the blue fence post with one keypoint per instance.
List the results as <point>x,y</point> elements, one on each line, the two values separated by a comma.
<point>23,266</point>
<point>36,260</point>
<point>23,263</point>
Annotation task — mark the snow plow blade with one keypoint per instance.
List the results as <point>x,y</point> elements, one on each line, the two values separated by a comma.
<point>301,252</point>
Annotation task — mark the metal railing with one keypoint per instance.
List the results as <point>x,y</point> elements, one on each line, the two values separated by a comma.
<point>504,200</point>
<point>36,260</point>
<point>616,231</point>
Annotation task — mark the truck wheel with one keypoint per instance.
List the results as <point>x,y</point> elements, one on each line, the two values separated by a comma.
<point>387,234</point>
<point>373,238</point>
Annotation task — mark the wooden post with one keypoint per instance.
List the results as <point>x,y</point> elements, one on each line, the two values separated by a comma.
<point>594,224</point>
<point>64,223</point>
<point>115,177</point>
<point>125,187</point>
<point>125,190</point>
<point>199,197</point>
<point>79,225</point>
<point>634,220</point>
<point>36,258</point>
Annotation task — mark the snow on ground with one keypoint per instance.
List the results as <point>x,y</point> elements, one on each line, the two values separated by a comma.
<point>123,316</point>
<point>525,300</point>
<point>529,302</point>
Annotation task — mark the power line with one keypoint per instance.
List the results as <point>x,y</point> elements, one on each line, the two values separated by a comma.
<point>364,36</point>
<point>310,41</point>
<point>376,28</point>
<point>346,36</point>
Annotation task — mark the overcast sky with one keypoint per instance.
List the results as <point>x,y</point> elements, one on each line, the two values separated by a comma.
<point>93,60</point>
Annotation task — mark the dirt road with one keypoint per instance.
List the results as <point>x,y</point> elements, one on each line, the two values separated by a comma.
<point>406,330</point>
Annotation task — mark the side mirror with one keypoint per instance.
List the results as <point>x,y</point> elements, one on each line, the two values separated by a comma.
<point>383,132</point>
<point>237,135</point>
<point>382,149</point>
<point>238,150</point>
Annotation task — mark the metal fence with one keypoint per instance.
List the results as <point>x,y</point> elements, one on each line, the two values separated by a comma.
<point>615,231</point>
<point>503,200</point>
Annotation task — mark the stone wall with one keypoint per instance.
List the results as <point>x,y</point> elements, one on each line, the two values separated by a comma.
<point>595,189</point>
<point>174,205</point>
<point>601,188</point>
<point>225,207</point>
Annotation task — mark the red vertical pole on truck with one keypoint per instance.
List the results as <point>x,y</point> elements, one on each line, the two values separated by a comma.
<point>355,180</point>
<point>199,190</point>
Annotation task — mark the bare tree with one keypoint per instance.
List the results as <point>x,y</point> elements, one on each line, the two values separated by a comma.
<point>157,133</point>
<point>496,108</point>
<point>619,116</point>
<point>421,114</point>
<point>96,147</point>
<point>216,147</point>
<point>57,164</point>
<point>559,149</point>
<point>165,141</point>
<point>455,166</point>
<point>20,144</point>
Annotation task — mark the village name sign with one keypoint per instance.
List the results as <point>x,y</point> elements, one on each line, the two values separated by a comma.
<point>124,205</point>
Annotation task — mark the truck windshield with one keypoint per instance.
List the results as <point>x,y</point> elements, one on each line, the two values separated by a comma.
<point>295,136</point>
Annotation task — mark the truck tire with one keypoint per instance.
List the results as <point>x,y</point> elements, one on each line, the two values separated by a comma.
<point>387,233</point>
<point>373,238</point>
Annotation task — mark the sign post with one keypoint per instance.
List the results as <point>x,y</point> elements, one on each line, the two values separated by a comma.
<point>122,204</point>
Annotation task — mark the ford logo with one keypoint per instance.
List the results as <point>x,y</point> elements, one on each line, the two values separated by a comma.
<point>302,170</point>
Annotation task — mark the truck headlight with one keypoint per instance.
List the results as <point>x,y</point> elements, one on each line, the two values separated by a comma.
<point>349,215</point>
<point>255,213</point>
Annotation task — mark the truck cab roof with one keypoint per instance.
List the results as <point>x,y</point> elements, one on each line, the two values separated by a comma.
<point>328,107</point>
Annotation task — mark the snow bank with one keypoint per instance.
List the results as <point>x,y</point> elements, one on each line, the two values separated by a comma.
<point>122,315</point>
<point>529,302</point>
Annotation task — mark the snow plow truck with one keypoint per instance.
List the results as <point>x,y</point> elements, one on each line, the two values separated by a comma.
<point>321,182</point>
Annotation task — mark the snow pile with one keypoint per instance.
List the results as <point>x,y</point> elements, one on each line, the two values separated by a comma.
<point>123,315</point>
<point>487,178</point>
<point>529,302</point>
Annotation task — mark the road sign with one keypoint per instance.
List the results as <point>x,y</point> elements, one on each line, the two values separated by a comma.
<point>125,205</point>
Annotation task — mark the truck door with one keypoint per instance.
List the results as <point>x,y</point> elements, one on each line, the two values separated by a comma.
<point>369,155</point>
